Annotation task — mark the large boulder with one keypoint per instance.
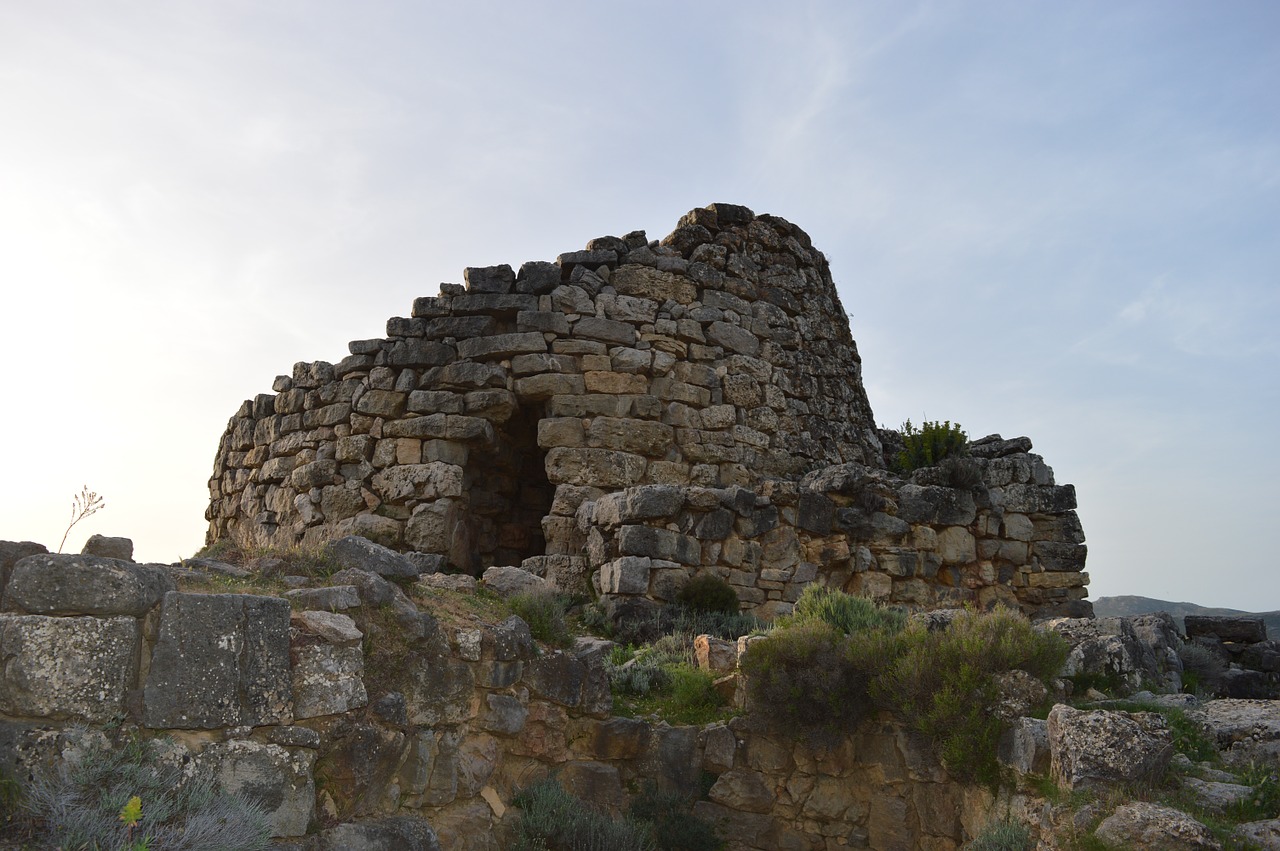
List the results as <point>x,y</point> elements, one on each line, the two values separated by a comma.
<point>1095,748</point>
<point>220,660</point>
<point>51,584</point>
<point>1144,826</point>
<point>68,669</point>
<point>1128,653</point>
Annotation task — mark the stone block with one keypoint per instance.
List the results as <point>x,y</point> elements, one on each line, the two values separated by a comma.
<point>49,584</point>
<point>647,282</point>
<point>328,665</point>
<point>67,668</point>
<point>1096,748</point>
<point>362,554</point>
<point>432,480</point>
<point>627,575</point>
<point>1244,630</point>
<point>101,545</point>
<point>643,437</point>
<point>275,778</point>
<point>500,346</point>
<point>605,330</point>
<point>220,660</point>
<point>603,468</point>
<point>659,544</point>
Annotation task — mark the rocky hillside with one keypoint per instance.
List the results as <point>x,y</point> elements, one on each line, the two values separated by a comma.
<point>1125,606</point>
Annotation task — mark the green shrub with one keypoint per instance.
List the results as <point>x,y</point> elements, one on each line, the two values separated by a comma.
<point>553,820</point>
<point>694,699</point>
<point>671,825</point>
<point>81,807</point>
<point>1003,836</point>
<point>844,612</point>
<point>929,444</point>
<point>707,592</point>
<point>544,612</point>
<point>943,683</point>
<point>804,680</point>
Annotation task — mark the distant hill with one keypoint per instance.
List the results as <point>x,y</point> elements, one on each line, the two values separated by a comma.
<point>1107,607</point>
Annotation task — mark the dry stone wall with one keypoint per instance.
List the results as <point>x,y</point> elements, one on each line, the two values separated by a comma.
<point>630,415</point>
<point>276,700</point>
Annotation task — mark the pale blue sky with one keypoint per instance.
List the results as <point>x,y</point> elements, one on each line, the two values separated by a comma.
<point>1059,220</point>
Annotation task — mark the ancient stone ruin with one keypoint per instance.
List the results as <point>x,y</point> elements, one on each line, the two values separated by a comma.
<point>633,414</point>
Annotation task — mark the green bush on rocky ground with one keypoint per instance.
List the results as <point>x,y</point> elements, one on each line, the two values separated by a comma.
<point>551,819</point>
<point>821,680</point>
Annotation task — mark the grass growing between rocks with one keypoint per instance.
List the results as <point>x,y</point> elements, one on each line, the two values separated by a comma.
<point>551,819</point>
<point>129,798</point>
<point>662,681</point>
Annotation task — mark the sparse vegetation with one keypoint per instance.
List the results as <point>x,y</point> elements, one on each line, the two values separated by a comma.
<point>1003,836</point>
<point>929,444</point>
<point>943,683</point>
<point>126,798</point>
<point>544,612</point>
<point>84,504</point>
<point>551,819</point>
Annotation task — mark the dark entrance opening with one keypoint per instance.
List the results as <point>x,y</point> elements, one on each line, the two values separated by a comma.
<point>510,494</point>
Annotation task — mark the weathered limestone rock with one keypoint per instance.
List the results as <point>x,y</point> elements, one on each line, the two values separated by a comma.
<point>101,545</point>
<point>220,660</point>
<point>1150,827</point>
<point>1214,795</point>
<point>67,669</point>
<point>1099,747</point>
<point>275,778</point>
<point>1263,834</point>
<point>393,833</point>
<point>1244,630</point>
<point>1247,730</point>
<point>327,665</point>
<point>363,554</point>
<point>506,581</point>
<point>85,585</point>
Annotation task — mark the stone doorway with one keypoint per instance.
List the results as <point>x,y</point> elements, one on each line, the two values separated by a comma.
<point>509,493</point>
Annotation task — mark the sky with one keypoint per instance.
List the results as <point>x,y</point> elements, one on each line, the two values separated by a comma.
<point>1059,220</point>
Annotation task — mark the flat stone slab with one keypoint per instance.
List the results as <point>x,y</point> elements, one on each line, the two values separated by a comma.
<point>221,660</point>
<point>52,584</point>
<point>65,669</point>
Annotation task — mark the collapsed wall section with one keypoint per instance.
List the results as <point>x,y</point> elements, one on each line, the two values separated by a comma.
<point>719,357</point>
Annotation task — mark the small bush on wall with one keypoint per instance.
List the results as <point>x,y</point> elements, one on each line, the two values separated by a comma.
<point>927,445</point>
